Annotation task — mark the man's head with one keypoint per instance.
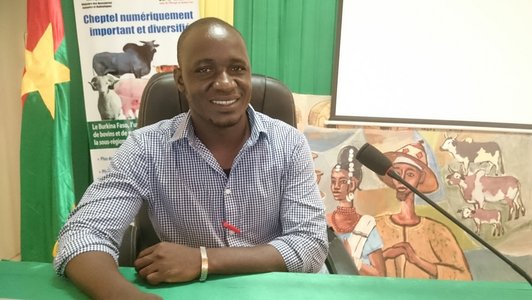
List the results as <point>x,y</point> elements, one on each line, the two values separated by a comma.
<point>214,73</point>
<point>410,162</point>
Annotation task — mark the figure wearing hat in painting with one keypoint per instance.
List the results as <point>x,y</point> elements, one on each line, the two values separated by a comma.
<point>358,232</point>
<point>415,246</point>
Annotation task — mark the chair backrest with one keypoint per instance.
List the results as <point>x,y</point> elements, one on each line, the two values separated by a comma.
<point>162,100</point>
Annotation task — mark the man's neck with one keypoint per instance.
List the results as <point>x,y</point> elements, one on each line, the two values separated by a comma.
<point>407,215</point>
<point>227,137</point>
<point>225,143</point>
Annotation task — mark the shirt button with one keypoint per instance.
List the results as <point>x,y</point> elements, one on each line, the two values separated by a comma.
<point>227,191</point>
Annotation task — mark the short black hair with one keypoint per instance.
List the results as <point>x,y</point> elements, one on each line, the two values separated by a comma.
<point>203,22</point>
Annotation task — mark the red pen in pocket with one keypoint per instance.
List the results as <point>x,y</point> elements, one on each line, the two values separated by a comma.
<point>230,226</point>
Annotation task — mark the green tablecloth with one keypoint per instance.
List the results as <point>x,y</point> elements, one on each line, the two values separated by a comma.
<point>26,280</point>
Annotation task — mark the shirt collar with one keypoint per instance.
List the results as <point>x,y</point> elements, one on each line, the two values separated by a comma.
<point>185,129</point>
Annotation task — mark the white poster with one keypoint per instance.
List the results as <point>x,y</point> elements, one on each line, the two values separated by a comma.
<point>122,43</point>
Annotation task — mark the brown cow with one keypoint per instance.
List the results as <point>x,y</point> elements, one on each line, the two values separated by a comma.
<point>479,188</point>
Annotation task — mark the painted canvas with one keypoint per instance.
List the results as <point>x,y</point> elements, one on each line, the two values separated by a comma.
<point>480,178</point>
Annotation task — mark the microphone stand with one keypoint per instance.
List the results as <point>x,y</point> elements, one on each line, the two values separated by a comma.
<point>520,271</point>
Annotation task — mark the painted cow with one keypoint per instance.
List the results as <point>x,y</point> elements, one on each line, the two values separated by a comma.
<point>479,188</point>
<point>135,59</point>
<point>484,216</point>
<point>467,152</point>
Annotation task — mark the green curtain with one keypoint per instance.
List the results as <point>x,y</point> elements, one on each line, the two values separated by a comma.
<point>291,40</point>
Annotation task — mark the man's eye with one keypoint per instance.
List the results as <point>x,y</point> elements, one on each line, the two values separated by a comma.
<point>203,70</point>
<point>411,174</point>
<point>238,68</point>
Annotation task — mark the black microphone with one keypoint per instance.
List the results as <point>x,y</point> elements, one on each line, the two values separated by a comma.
<point>376,161</point>
<point>373,159</point>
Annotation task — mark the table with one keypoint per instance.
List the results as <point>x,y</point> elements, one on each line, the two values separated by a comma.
<point>30,280</point>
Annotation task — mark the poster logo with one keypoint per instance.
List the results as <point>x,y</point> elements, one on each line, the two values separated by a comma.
<point>96,4</point>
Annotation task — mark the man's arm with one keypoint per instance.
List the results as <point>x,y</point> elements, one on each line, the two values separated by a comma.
<point>96,274</point>
<point>263,258</point>
<point>167,262</point>
<point>303,244</point>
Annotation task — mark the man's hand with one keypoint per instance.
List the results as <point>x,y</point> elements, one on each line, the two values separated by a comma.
<point>393,252</point>
<point>168,262</point>
<point>408,251</point>
<point>404,248</point>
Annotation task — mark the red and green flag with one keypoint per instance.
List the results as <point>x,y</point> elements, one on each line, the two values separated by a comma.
<point>47,186</point>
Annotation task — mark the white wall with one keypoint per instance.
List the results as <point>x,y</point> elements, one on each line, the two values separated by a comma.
<point>12,28</point>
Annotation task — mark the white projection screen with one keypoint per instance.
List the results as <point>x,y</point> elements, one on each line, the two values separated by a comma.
<point>456,63</point>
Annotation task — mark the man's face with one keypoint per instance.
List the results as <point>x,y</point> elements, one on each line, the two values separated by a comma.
<point>215,76</point>
<point>410,174</point>
<point>340,184</point>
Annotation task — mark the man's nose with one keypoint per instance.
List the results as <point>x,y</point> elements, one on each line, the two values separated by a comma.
<point>397,182</point>
<point>224,81</point>
<point>401,174</point>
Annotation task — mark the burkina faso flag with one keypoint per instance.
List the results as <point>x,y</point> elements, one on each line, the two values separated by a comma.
<point>47,189</point>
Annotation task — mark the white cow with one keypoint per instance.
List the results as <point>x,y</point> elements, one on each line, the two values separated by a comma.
<point>484,216</point>
<point>109,103</point>
<point>468,152</point>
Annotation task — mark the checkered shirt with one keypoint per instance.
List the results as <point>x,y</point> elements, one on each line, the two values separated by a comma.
<point>271,194</point>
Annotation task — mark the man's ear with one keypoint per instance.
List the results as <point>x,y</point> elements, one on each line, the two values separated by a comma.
<point>422,177</point>
<point>178,78</point>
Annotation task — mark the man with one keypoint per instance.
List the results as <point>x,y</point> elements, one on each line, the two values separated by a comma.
<point>229,190</point>
<point>414,246</point>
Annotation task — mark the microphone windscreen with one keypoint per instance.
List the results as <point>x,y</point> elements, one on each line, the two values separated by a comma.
<point>373,159</point>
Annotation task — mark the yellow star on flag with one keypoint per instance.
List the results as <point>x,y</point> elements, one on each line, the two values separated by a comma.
<point>43,71</point>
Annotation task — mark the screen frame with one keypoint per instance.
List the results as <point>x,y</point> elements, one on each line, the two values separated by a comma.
<point>337,118</point>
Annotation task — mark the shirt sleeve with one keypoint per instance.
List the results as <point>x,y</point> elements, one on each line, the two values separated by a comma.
<point>452,263</point>
<point>372,244</point>
<point>303,244</point>
<point>107,208</point>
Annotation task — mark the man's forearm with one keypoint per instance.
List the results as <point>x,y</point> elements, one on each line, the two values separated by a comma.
<point>242,260</point>
<point>96,274</point>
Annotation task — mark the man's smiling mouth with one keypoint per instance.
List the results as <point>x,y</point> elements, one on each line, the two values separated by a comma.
<point>224,102</point>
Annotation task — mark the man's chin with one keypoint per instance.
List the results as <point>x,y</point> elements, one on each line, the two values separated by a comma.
<point>225,123</point>
<point>401,196</point>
